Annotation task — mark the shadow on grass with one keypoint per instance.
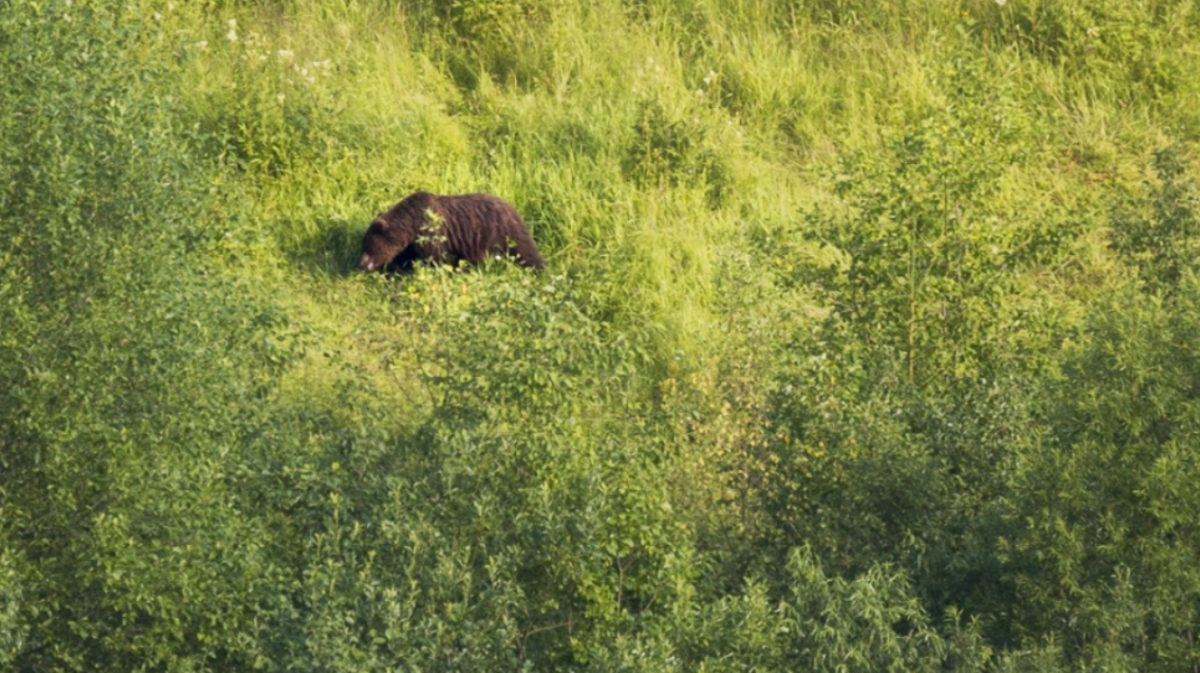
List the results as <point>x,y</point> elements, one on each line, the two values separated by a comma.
<point>329,247</point>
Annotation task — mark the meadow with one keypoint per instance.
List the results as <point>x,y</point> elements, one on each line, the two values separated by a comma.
<point>869,338</point>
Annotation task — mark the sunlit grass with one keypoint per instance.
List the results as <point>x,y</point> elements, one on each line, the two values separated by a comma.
<point>353,107</point>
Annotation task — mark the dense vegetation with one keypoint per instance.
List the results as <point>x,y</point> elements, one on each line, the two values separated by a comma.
<point>869,338</point>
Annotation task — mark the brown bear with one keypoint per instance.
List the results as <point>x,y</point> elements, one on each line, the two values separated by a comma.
<point>446,229</point>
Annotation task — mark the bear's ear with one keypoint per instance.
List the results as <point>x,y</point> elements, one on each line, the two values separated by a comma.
<point>380,222</point>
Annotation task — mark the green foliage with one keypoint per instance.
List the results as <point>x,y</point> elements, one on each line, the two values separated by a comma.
<point>1132,43</point>
<point>273,109</point>
<point>1105,543</point>
<point>821,623</point>
<point>866,342</point>
<point>931,247</point>
<point>1160,241</point>
<point>12,631</point>
<point>540,436</point>
<point>475,19</point>
<point>667,152</point>
<point>118,340</point>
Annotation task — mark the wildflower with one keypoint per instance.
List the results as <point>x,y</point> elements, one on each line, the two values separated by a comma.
<point>1001,2</point>
<point>202,45</point>
<point>232,34</point>
<point>286,55</point>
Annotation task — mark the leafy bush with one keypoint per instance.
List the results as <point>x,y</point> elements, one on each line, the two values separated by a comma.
<point>12,631</point>
<point>1101,554</point>
<point>666,152</point>
<point>1160,241</point>
<point>1117,40</point>
<point>124,356</point>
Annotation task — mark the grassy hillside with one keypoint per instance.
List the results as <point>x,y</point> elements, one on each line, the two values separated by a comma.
<point>869,337</point>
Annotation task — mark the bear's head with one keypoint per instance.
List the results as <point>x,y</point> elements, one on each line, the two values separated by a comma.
<point>382,242</point>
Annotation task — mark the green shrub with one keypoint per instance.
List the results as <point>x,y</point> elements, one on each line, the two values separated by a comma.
<point>13,631</point>
<point>1101,554</point>
<point>1157,235</point>
<point>1126,44</point>
<point>666,152</point>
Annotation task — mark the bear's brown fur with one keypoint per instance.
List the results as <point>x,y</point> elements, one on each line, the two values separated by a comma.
<point>446,229</point>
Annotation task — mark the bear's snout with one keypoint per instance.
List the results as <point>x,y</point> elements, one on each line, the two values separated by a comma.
<point>366,263</point>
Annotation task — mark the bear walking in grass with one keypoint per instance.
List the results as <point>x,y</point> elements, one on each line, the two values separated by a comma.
<point>446,229</point>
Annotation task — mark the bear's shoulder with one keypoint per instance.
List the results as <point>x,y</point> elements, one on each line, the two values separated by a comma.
<point>418,198</point>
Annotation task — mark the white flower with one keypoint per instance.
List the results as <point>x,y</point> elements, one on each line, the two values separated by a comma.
<point>202,45</point>
<point>286,55</point>
<point>231,35</point>
<point>1001,2</point>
